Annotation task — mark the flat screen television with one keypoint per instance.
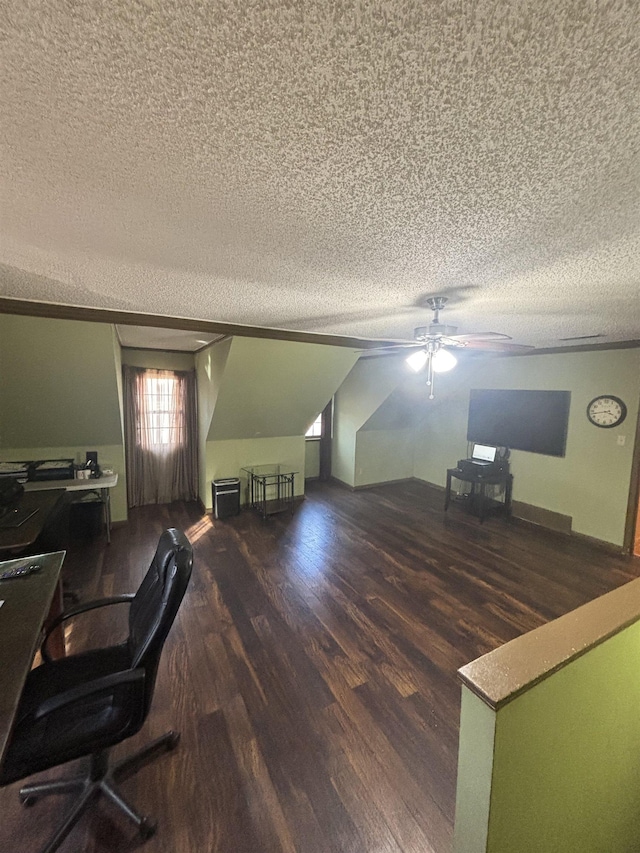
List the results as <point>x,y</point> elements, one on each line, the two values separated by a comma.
<point>520,420</point>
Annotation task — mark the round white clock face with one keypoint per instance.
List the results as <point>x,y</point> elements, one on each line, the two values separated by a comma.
<point>606,411</point>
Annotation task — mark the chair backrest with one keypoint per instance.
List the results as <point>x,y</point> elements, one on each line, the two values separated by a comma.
<point>156,603</point>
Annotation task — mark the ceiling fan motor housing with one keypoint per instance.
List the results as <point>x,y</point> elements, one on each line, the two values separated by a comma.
<point>435,330</point>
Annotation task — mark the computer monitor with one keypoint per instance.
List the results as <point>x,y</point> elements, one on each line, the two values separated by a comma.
<point>484,452</point>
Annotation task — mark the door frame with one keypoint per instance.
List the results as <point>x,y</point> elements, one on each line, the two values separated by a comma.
<point>633,506</point>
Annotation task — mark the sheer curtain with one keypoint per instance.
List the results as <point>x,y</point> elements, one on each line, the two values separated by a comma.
<point>160,435</point>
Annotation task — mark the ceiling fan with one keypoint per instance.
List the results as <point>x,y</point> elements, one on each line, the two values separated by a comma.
<point>434,342</point>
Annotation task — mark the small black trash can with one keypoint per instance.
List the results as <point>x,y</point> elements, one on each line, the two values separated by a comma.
<point>226,497</point>
<point>86,518</point>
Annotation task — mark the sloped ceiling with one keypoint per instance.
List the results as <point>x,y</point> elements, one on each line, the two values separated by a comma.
<point>401,408</point>
<point>322,166</point>
<point>274,388</point>
<point>62,392</point>
<point>366,389</point>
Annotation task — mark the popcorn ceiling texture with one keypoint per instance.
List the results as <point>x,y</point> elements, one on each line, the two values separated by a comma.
<point>324,165</point>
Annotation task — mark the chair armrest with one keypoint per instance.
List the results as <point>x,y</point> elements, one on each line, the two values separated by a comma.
<point>130,680</point>
<point>126,598</point>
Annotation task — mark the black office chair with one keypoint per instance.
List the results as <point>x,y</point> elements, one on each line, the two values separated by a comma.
<point>86,703</point>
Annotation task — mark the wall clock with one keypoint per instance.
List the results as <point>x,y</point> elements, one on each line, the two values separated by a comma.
<point>606,411</point>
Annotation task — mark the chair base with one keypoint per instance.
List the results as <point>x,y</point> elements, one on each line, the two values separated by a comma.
<point>101,780</point>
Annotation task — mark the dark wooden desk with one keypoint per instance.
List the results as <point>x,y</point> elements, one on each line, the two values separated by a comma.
<point>503,478</point>
<point>15,540</point>
<point>26,603</point>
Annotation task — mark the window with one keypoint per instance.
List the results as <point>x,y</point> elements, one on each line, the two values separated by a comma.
<point>161,428</point>
<point>315,430</point>
<point>160,424</point>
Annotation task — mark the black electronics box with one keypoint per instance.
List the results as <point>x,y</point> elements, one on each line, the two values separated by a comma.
<point>52,469</point>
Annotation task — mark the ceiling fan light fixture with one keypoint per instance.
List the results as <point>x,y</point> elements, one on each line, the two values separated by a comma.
<point>417,360</point>
<point>443,360</point>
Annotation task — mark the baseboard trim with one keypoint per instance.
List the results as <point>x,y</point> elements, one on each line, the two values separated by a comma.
<point>435,486</point>
<point>382,483</point>
<point>542,517</point>
<point>611,547</point>
<point>340,483</point>
<point>537,516</point>
<point>117,524</point>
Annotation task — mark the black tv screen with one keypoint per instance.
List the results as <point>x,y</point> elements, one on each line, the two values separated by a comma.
<point>520,420</point>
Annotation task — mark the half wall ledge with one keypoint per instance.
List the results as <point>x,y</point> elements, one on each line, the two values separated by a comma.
<point>505,673</point>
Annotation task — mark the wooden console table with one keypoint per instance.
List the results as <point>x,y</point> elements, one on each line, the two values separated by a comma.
<point>503,478</point>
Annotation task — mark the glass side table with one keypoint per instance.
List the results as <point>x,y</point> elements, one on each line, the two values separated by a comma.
<point>271,488</point>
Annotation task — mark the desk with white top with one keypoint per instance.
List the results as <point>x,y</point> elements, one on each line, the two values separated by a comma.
<point>102,486</point>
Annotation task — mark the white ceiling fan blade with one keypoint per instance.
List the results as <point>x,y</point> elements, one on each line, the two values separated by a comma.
<point>497,346</point>
<point>391,348</point>
<point>482,336</point>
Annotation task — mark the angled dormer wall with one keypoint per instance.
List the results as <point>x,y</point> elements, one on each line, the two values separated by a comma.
<point>61,394</point>
<point>259,397</point>
<point>373,424</point>
<point>210,365</point>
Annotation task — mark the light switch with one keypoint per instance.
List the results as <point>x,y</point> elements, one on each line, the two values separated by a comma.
<point>621,440</point>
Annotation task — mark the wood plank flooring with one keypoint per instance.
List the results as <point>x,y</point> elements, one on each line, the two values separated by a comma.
<point>312,669</point>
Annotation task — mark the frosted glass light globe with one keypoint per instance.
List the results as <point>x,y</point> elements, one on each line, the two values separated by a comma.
<point>417,360</point>
<point>443,360</point>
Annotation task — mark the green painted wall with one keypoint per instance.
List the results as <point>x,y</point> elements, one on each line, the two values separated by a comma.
<point>566,759</point>
<point>384,445</point>
<point>382,455</point>
<point>591,483</point>
<point>117,360</point>
<point>60,394</point>
<point>401,408</point>
<point>158,359</point>
<point>226,458</point>
<point>343,450</point>
<point>358,399</point>
<point>311,459</point>
<point>258,398</point>
<point>59,385</point>
<point>276,388</point>
<point>366,388</point>
<point>475,770</point>
<point>210,364</point>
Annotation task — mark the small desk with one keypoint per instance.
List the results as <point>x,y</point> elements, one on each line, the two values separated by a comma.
<point>27,602</point>
<point>276,480</point>
<point>101,486</point>
<point>500,479</point>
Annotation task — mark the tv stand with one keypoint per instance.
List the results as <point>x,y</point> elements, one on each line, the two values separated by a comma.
<point>478,496</point>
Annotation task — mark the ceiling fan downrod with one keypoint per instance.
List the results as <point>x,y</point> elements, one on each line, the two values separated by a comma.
<point>437,303</point>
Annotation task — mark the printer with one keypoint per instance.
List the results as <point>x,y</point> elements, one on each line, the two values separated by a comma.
<point>484,462</point>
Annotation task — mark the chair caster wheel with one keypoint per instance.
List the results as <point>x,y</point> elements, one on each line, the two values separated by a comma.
<point>147,828</point>
<point>174,740</point>
<point>28,800</point>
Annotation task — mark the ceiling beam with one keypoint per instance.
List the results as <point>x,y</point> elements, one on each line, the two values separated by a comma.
<point>129,318</point>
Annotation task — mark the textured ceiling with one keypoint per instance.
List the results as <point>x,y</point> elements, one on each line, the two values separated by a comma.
<point>147,337</point>
<point>323,165</point>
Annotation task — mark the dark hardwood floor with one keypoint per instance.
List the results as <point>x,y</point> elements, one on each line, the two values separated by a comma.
<point>312,669</point>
